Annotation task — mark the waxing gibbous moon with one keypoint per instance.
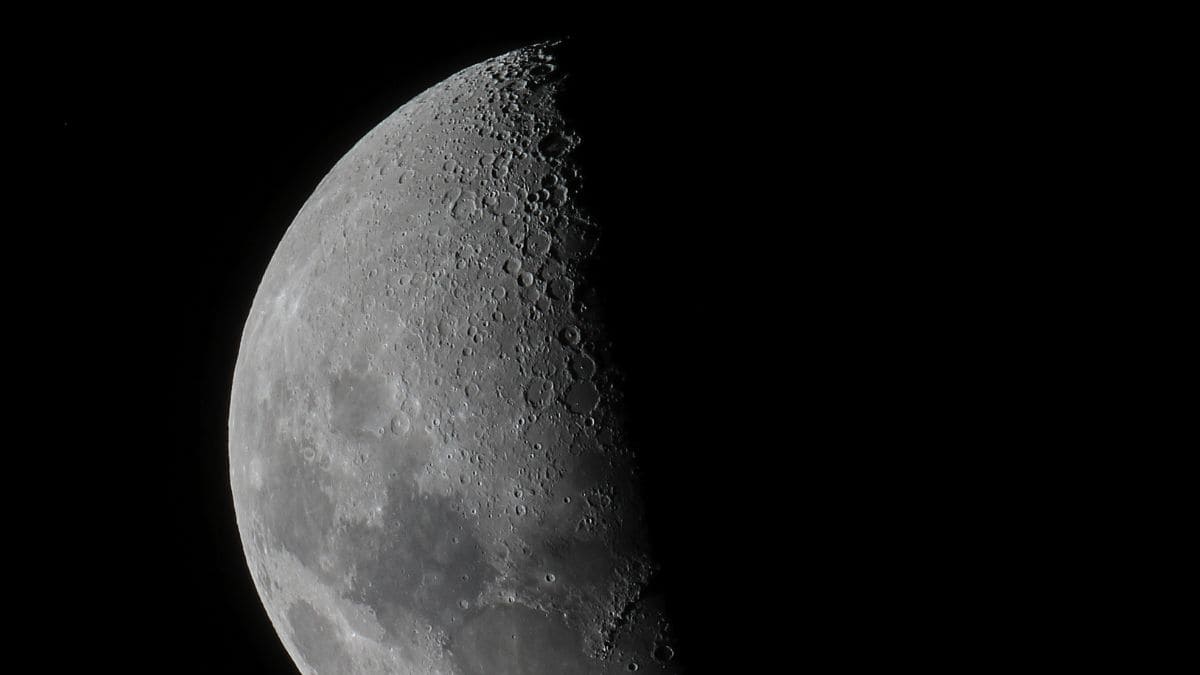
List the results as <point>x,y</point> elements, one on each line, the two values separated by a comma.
<point>427,455</point>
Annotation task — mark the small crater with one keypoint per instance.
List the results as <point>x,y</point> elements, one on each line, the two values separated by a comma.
<point>571,335</point>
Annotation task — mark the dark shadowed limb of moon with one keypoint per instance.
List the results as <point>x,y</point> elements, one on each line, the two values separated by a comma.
<point>427,455</point>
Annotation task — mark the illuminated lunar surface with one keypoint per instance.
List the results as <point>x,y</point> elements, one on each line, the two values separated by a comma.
<point>427,454</point>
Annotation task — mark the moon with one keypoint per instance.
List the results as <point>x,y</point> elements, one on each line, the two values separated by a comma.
<point>428,451</point>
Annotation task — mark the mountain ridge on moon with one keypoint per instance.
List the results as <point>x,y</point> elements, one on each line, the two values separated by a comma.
<point>428,453</point>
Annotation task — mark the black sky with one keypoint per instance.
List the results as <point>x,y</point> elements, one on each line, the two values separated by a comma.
<point>177,154</point>
<point>779,187</point>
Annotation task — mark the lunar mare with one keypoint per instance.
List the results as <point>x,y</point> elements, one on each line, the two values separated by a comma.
<point>427,456</point>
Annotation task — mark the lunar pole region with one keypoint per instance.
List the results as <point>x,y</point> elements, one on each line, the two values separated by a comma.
<point>428,451</point>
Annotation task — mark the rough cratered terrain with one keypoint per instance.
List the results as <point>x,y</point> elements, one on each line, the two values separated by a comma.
<point>427,454</point>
